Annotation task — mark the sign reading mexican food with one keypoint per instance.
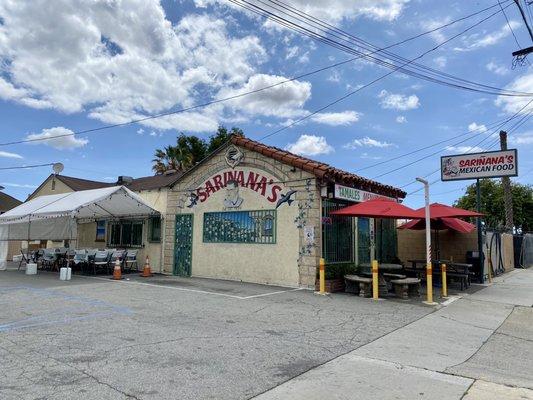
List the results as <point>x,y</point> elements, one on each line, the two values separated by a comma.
<point>353,194</point>
<point>232,180</point>
<point>491,164</point>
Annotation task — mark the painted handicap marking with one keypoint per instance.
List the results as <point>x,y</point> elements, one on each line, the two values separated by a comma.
<point>79,309</point>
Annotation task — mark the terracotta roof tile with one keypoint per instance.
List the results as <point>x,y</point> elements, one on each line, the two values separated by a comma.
<point>319,169</point>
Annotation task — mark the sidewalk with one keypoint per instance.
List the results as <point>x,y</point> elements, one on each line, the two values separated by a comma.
<point>478,347</point>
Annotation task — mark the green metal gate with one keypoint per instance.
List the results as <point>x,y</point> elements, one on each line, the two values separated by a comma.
<point>183,245</point>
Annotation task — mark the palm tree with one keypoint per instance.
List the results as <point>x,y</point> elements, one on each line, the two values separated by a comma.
<point>176,158</point>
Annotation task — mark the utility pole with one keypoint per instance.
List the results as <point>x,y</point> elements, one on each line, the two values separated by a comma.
<point>507,195</point>
<point>522,53</point>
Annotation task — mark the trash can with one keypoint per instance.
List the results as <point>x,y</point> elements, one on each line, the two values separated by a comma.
<point>472,257</point>
<point>31,269</point>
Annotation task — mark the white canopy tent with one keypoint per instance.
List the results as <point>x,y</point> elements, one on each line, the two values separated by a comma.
<point>56,217</point>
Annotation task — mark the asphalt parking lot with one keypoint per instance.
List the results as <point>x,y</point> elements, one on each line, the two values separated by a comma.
<point>167,337</point>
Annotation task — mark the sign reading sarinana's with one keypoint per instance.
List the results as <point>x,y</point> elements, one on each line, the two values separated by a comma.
<point>353,194</point>
<point>490,164</point>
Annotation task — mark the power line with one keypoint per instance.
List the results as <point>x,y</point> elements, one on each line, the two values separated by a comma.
<point>234,97</point>
<point>26,166</point>
<point>372,82</point>
<point>509,24</point>
<point>386,63</point>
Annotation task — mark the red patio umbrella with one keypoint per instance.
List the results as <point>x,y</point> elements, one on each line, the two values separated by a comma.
<point>378,208</point>
<point>437,210</point>
<point>455,224</point>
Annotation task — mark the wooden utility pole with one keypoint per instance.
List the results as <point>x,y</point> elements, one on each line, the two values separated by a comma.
<point>507,195</point>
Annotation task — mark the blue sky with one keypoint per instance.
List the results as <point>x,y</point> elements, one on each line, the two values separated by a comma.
<point>67,67</point>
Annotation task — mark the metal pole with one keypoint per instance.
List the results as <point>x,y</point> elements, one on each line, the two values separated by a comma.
<point>507,195</point>
<point>479,234</point>
<point>429,268</point>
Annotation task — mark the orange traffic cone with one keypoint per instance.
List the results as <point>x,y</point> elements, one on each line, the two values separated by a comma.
<point>117,272</point>
<point>147,271</point>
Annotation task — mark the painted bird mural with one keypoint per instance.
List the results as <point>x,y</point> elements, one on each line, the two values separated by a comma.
<point>286,198</point>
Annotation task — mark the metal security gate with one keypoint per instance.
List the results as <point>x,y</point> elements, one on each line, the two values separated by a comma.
<point>183,245</point>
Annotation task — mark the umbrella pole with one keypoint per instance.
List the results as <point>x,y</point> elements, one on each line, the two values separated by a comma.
<point>429,271</point>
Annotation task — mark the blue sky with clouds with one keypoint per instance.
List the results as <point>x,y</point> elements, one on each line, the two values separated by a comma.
<point>67,67</point>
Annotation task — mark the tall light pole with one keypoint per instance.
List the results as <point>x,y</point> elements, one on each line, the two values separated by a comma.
<point>429,268</point>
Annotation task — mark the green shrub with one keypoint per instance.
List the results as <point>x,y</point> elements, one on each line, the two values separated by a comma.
<point>338,270</point>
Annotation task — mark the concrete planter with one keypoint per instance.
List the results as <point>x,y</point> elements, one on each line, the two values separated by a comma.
<point>332,285</point>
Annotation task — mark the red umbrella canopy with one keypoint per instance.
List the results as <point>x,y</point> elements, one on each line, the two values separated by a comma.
<point>455,224</point>
<point>438,210</point>
<point>378,208</point>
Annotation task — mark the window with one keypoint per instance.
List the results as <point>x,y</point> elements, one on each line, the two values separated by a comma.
<point>100,231</point>
<point>240,227</point>
<point>155,229</point>
<point>126,234</point>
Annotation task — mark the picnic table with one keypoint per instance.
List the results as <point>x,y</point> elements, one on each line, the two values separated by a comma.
<point>455,270</point>
<point>384,285</point>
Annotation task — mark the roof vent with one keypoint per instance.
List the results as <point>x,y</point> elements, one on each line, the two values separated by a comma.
<point>170,172</point>
<point>124,180</point>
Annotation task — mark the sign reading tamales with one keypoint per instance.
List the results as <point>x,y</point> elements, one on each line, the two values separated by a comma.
<point>490,164</point>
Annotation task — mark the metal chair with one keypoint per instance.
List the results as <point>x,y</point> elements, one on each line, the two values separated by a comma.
<point>119,255</point>
<point>24,257</point>
<point>49,258</point>
<point>131,260</point>
<point>101,259</point>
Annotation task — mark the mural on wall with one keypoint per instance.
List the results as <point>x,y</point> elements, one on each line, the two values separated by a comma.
<point>232,200</point>
<point>233,156</point>
<point>301,222</point>
<point>286,198</point>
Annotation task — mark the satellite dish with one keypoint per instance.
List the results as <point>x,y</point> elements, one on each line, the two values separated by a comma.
<point>58,168</point>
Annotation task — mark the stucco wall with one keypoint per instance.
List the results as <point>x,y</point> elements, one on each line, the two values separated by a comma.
<point>287,262</point>
<point>46,189</point>
<point>453,245</point>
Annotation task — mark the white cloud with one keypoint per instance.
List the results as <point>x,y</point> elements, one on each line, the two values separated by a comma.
<point>120,60</point>
<point>398,101</point>
<point>310,145</point>
<point>62,142</point>
<point>7,154</point>
<point>367,156</point>
<point>479,128</point>
<point>430,24</point>
<point>511,104</point>
<point>497,69</point>
<point>367,142</point>
<point>19,185</point>
<point>334,11</point>
<point>284,100</point>
<point>440,61</point>
<point>140,131</point>
<point>466,149</point>
<point>336,119</point>
<point>522,138</point>
<point>401,119</point>
<point>485,39</point>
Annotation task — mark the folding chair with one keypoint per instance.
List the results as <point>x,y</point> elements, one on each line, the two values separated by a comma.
<point>49,258</point>
<point>101,259</point>
<point>131,260</point>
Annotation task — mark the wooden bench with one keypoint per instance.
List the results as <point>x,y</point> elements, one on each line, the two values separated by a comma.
<point>407,287</point>
<point>365,284</point>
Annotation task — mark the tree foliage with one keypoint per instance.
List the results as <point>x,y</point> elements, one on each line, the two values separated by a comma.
<point>492,203</point>
<point>190,150</point>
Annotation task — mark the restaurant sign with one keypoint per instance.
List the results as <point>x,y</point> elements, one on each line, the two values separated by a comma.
<point>357,195</point>
<point>490,164</point>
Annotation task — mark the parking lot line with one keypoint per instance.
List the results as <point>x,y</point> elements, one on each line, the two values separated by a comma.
<point>195,290</point>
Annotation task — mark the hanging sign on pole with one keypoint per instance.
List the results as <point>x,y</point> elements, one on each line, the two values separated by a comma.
<point>490,164</point>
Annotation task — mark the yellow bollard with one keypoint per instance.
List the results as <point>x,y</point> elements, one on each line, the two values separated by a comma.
<point>429,281</point>
<point>322,276</point>
<point>375,283</point>
<point>444,283</point>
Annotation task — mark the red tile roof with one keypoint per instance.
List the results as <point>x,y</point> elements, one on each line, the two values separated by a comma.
<point>321,170</point>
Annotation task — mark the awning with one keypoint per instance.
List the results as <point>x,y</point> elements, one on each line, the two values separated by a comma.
<point>455,224</point>
<point>55,217</point>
